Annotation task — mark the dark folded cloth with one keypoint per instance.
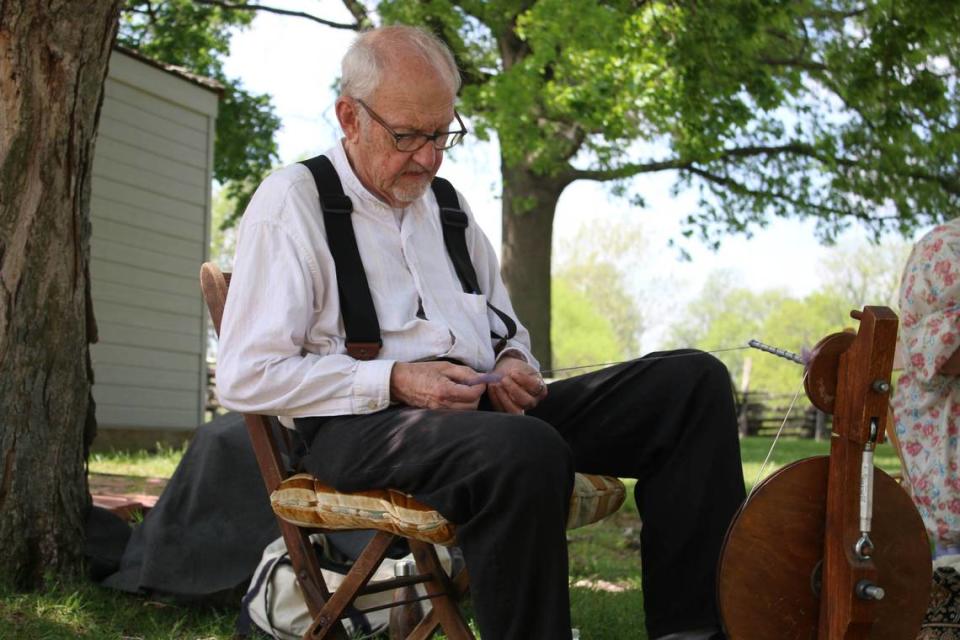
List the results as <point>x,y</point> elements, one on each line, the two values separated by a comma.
<point>210,525</point>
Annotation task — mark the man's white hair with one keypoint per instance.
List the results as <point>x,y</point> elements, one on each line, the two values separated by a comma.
<point>371,52</point>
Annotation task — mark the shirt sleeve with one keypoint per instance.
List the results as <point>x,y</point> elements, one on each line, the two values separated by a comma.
<point>487,266</point>
<point>930,306</point>
<point>262,366</point>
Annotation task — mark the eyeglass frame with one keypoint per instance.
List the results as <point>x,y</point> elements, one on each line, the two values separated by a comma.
<point>427,137</point>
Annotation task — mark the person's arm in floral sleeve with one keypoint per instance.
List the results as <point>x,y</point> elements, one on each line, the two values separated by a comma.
<point>930,306</point>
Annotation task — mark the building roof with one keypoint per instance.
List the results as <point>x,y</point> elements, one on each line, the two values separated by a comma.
<point>181,72</point>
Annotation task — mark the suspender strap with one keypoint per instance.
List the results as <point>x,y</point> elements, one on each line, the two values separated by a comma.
<point>455,223</point>
<point>454,233</point>
<point>356,304</point>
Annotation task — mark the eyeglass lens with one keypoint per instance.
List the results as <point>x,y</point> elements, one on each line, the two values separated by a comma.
<point>413,141</point>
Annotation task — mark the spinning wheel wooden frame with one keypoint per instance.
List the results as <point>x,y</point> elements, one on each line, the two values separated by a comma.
<point>831,548</point>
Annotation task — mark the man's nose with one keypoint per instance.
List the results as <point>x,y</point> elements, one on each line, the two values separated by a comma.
<point>428,156</point>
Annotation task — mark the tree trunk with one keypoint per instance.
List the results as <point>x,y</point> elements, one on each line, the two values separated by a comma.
<point>529,203</point>
<point>53,61</point>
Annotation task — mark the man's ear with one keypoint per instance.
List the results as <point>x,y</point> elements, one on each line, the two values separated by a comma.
<point>349,118</point>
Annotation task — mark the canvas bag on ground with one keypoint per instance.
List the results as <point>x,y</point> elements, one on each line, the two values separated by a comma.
<point>274,602</point>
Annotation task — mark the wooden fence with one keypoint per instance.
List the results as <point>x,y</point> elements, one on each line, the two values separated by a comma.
<point>213,407</point>
<point>762,414</point>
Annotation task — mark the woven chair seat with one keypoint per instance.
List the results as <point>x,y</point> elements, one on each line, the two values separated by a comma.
<point>305,502</point>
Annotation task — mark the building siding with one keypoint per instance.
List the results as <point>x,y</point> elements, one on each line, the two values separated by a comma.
<point>150,207</point>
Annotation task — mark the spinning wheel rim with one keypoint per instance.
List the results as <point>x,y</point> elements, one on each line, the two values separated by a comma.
<point>775,543</point>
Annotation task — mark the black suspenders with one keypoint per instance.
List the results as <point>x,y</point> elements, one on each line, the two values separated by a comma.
<point>356,305</point>
<point>455,223</point>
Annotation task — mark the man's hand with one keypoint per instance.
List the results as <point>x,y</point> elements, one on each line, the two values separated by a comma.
<point>435,385</point>
<point>521,388</point>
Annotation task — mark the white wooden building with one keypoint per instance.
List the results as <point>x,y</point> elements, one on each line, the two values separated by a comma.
<point>150,208</point>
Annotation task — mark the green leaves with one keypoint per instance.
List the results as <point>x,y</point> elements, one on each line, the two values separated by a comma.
<point>197,37</point>
<point>836,110</point>
<point>580,333</point>
<point>728,314</point>
<point>245,148</point>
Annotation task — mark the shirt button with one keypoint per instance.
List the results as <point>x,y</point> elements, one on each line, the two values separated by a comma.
<point>372,404</point>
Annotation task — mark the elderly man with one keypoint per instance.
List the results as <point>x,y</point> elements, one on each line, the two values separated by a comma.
<point>452,408</point>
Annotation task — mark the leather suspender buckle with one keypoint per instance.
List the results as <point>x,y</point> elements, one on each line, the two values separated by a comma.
<point>454,217</point>
<point>363,350</point>
<point>333,203</point>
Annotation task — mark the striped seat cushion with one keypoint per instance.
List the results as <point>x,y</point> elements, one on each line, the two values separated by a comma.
<point>305,502</point>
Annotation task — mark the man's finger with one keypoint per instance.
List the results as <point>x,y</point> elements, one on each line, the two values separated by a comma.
<point>540,388</point>
<point>530,381</point>
<point>458,392</point>
<point>517,393</point>
<point>502,401</point>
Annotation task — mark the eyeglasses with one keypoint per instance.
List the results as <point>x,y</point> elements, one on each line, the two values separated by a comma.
<point>408,142</point>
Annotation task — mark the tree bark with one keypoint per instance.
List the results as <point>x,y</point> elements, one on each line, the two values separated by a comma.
<point>529,203</point>
<point>53,61</point>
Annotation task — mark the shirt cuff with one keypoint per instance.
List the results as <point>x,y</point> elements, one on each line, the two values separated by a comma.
<point>513,352</point>
<point>371,386</point>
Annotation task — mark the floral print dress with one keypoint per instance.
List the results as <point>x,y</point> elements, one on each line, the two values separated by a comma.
<point>926,403</point>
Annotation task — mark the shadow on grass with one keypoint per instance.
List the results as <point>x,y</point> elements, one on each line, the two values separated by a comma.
<point>606,599</point>
<point>85,610</point>
<point>602,613</point>
<point>32,624</point>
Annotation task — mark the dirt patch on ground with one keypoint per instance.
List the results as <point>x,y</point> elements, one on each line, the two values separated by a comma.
<point>127,496</point>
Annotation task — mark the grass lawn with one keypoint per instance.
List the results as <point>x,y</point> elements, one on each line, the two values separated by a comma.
<point>606,597</point>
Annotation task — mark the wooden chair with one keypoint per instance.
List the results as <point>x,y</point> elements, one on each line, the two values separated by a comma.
<point>303,506</point>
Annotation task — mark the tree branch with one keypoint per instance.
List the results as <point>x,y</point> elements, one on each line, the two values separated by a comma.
<point>359,13</point>
<point>151,11</point>
<point>226,4</point>
<point>626,171</point>
<point>741,189</point>
<point>629,170</point>
<point>512,48</point>
<point>808,65</point>
<point>576,135</point>
<point>472,10</point>
<point>828,83</point>
<point>834,15</point>
<point>948,184</point>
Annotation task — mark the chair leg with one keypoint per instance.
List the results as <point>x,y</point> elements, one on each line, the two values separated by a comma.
<point>303,557</point>
<point>429,625</point>
<point>445,611</point>
<point>359,575</point>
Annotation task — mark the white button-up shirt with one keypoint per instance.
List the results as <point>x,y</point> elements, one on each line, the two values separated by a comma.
<point>282,341</point>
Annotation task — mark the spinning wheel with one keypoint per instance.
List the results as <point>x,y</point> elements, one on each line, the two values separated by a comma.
<point>831,548</point>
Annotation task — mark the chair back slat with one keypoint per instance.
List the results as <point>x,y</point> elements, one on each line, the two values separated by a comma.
<point>214,284</point>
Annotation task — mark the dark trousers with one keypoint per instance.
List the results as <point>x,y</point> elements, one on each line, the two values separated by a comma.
<point>505,480</point>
